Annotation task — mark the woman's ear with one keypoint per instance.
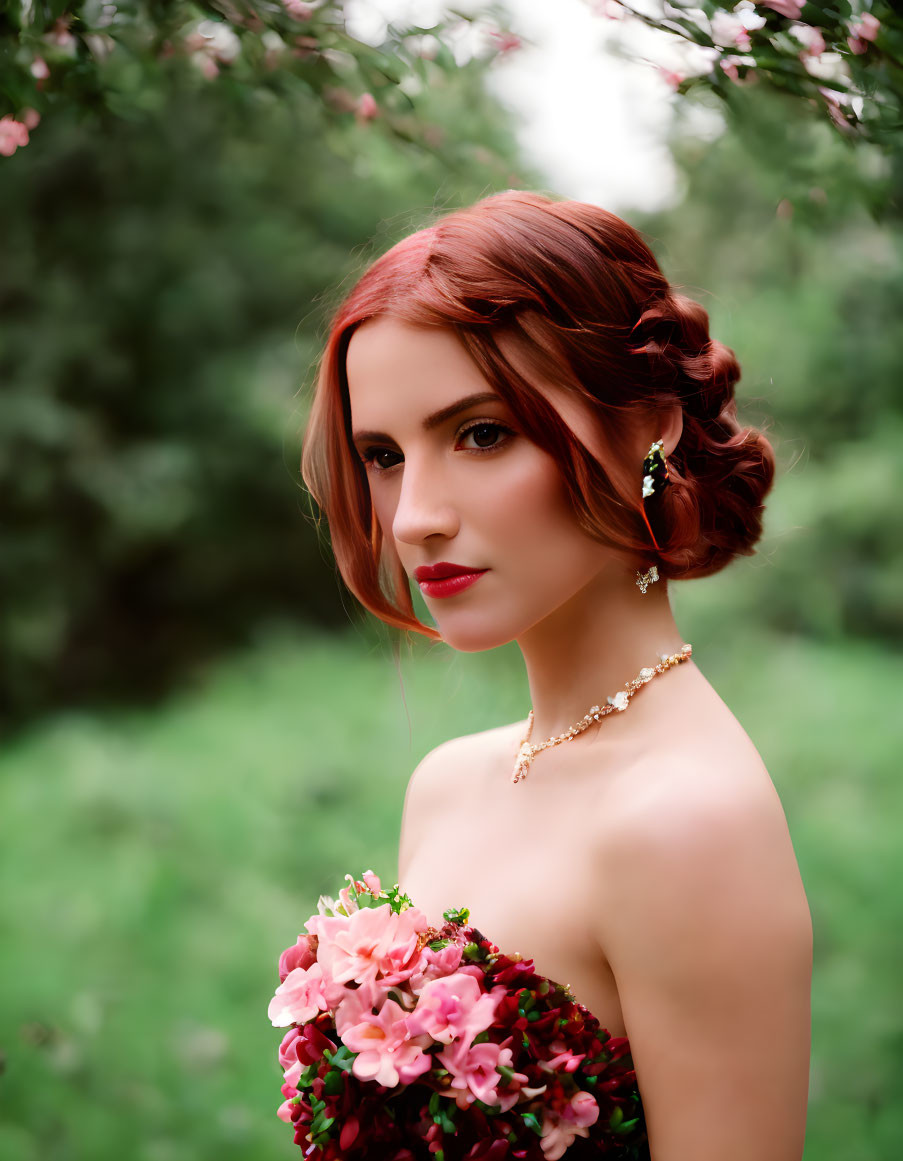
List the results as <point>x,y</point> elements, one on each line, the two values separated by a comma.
<point>666,424</point>
<point>671,427</point>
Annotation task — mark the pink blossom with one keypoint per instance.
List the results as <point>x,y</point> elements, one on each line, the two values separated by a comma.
<point>372,882</point>
<point>610,8</point>
<point>299,997</point>
<point>39,69</point>
<point>833,99</point>
<point>288,1049</point>
<point>369,942</point>
<point>473,1071</point>
<point>206,64</point>
<point>367,107</point>
<point>811,37</point>
<point>560,1128</point>
<point>387,1053</point>
<point>60,36</point>
<point>346,902</point>
<point>866,27</point>
<point>31,118</point>
<point>13,135</point>
<point>791,8</point>
<point>567,1058</point>
<point>284,1112</point>
<point>729,65</point>
<point>454,1008</point>
<point>298,9</point>
<point>432,964</point>
<point>673,79</point>
<point>728,30</point>
<point>862,31</point>
<point>505,41</point>
<point>299,955</point>
<point>289,1059</point>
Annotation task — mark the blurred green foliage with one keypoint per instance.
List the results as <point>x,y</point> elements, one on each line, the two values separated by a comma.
<point>99,59</point>
<point>151,288</point>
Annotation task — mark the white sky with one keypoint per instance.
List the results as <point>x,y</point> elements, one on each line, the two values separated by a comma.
<point>594,124</point>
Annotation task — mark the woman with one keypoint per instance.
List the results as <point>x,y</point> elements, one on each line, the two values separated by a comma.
<point>515,396</point>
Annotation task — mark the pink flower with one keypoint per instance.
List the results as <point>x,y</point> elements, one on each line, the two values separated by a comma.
<point>289,1059</point>
<point>299,955</point>
<point>348,904</point>
<point>729,65</point>
<point>473,1071</point>
<point>387,1053</point>
<point>610,8</point>
<point>567,1058</point>
<point>367,107</point>
<point>369,942</point>
<point>560,1128</point>
<point>298,9</point>
<point>39,69</point>
<point>13,135</point>
<point>208,66</point>
<point>288,1049</point>
<point>811,37</point>
<point>791,8</point>
<point>454,1008</point>
<point>863,31</point>
<point>299,997</point>
<point>866,27</point>
<point>833,100</point>
<point>505,41</point>
<point>432,964</point>
<point>673,79</point>
<point>728,30</point>
<point>60,36</point>
<point>284,1112</point>
<point>372,882</point>
<point>31,118</point>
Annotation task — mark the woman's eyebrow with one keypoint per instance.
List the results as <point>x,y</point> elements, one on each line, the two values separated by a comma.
<point>438,417</point>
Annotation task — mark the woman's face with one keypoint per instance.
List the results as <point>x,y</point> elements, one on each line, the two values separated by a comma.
<point>453,481</point>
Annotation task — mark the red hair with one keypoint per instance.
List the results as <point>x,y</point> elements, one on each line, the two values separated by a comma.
<point>576,298</point>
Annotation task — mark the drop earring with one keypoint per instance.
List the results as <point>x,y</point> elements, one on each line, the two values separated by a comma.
<point>645,579</point>
<point>655,479</point>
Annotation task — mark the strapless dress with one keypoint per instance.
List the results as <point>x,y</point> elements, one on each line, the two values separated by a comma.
<point>621,1130</point>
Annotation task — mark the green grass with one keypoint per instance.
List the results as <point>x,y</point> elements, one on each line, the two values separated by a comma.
<point>155,863</point>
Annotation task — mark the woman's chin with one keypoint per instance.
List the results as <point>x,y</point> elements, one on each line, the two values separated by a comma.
<point>473,637</point>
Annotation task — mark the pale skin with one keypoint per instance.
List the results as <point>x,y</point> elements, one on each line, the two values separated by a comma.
<point>648,863</point>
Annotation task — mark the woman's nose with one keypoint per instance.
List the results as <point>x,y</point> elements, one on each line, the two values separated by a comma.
<point>424,505</point>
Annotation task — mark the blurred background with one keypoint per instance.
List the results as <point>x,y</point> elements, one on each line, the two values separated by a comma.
<point>200,731</point>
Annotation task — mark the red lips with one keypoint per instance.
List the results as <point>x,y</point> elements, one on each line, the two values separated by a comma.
<point>429,572</point>
<point>445,579</point>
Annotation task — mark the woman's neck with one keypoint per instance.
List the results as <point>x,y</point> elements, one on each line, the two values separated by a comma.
<point>593,645</point>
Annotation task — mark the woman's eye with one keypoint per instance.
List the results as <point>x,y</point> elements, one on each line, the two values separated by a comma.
<point>486,431</point>
<point>371,457</point>
<point>485,434</point>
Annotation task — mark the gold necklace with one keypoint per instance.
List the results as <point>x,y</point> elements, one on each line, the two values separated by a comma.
<point>528,750</point>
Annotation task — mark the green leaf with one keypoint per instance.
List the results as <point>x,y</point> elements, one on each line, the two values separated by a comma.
<point>531,1122</point>
<point>459,915</point>
<point>333,1082</point>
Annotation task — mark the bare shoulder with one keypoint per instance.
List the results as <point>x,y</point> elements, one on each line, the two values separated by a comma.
<point>704,921</point>
<point>440,773</point>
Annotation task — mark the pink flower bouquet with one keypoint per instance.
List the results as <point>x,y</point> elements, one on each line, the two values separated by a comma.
<point>406,1041</point>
